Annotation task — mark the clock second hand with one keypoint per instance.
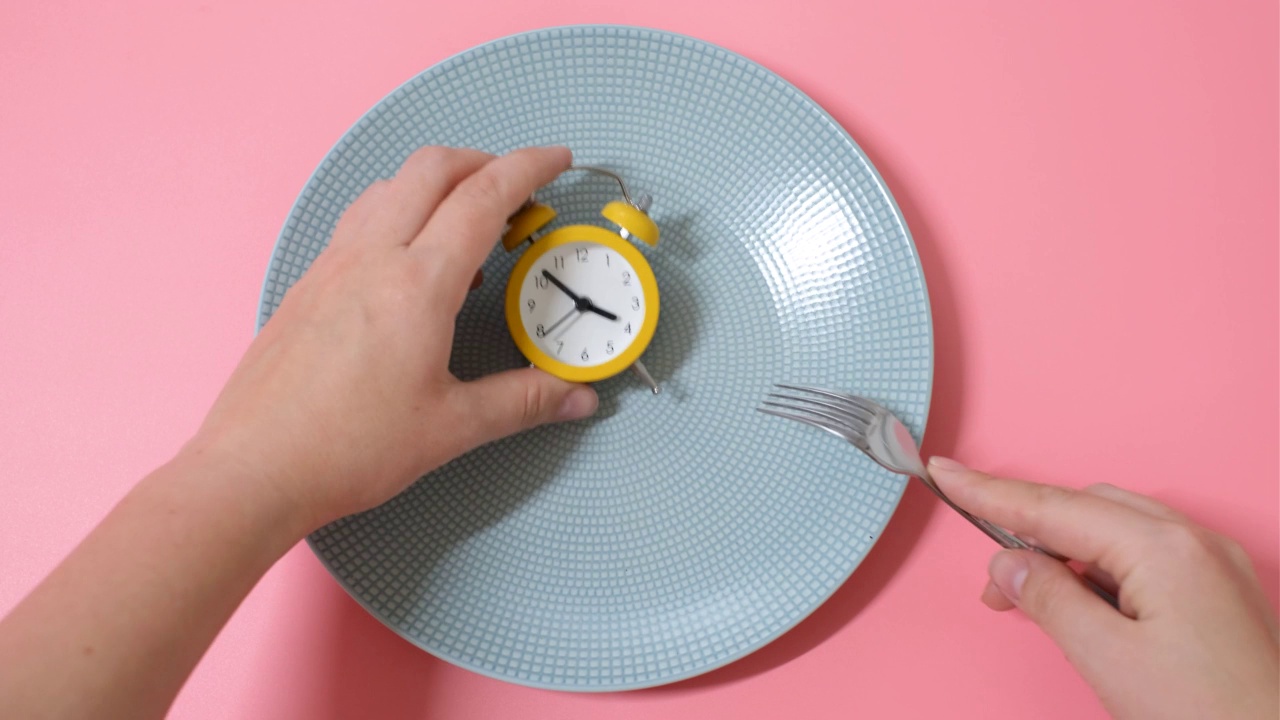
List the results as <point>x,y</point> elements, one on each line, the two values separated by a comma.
<point>557,323</point>
<point>566,327</point>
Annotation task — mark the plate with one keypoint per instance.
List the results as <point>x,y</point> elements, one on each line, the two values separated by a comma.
<point>675,533</point>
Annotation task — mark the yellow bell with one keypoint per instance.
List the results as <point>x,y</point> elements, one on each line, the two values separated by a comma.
<point>635,222</point>
<point>527,221</point>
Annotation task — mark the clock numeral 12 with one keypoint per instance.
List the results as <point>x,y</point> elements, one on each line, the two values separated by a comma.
<point>582,254</point>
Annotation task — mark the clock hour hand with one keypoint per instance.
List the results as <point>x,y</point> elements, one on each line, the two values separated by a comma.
<point>577,301</point>
<point>602,313</point>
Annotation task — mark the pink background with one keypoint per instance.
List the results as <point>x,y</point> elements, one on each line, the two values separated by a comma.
<point>1093,187</point>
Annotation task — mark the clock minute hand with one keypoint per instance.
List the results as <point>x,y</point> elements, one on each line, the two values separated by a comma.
<point>556,281</point>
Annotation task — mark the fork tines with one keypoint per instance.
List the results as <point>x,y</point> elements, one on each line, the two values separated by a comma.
<point>825,409</point>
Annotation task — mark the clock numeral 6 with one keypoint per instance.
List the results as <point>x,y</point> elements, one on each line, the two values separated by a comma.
<point>608,347</point>
<point>635,303</point>
<point>542,332</point>
<point>584,354</point>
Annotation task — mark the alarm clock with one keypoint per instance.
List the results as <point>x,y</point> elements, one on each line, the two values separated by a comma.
<point>582,301</point>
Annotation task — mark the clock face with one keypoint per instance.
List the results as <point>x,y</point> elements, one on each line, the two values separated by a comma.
<point>582,303</point>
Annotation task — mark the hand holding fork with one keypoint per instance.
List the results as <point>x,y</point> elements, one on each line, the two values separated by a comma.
<point>874,430</point>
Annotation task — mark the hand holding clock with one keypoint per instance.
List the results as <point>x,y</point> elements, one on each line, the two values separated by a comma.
<point>387,291</point>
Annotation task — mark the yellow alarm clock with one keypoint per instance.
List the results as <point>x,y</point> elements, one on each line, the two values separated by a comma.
<point>582,301</point>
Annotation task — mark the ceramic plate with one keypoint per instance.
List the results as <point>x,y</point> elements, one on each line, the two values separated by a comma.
<point>673,533</point>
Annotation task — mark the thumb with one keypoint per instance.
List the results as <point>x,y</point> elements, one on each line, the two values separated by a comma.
<point>1056,599</point>
<point>508,402</point>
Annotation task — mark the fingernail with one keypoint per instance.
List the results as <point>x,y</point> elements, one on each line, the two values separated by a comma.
<point>938,462</point>
<point>1009,572</point>
<point>578,404</point>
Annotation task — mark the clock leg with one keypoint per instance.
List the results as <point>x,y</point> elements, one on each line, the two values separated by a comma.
<point>643,373</point>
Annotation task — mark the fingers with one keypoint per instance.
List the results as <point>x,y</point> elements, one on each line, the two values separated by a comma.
<point>393,212</point>
<point>516,400</point>
<point>466,225</point>
<point>1056,599</point>
<point>994,599</point>
<point>1141,503</point>
<point>1128,498</point>
<point>1102,578</point>
<point>424,181</point>
<point>1080,525</point>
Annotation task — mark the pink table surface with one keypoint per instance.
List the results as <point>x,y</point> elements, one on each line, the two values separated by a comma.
<point>1093,188</point>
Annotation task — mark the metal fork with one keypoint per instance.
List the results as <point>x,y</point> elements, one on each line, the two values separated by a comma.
<point>874,430</point>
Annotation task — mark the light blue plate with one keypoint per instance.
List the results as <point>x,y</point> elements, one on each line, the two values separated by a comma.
<point>674,533</point>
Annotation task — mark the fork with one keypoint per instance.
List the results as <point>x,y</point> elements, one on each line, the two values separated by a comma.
<point>874,430</point>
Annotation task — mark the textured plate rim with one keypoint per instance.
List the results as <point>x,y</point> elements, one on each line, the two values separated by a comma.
<point>839,129</point>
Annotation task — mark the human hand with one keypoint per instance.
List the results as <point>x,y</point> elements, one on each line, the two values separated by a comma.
<point>345,397</point>
<point>1195,636</point>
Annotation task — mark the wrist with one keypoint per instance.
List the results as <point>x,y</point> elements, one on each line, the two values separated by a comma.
<point>208,472</point>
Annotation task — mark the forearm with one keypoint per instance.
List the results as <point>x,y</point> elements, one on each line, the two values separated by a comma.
<point>117,627</point>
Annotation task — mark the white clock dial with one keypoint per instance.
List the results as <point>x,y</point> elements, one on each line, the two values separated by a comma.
<point>582,334</point>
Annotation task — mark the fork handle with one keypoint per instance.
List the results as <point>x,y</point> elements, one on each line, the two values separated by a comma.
<point>1008,540</point>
